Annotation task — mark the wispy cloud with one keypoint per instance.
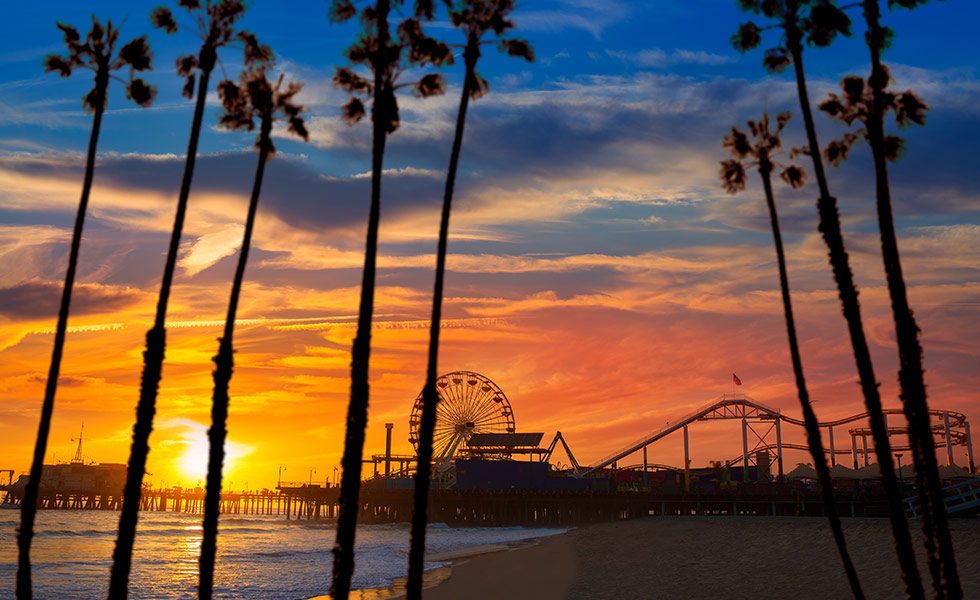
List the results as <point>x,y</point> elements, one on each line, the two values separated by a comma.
<point>592,16</point>
<point>659,59</point>
<point>211,247</point>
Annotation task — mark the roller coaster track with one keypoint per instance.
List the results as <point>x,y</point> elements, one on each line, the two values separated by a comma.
<point>940,443</point>
<point>738,406</point>
<point>791,446</point>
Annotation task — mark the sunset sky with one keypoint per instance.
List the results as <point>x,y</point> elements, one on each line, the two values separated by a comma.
<point>598,273</point>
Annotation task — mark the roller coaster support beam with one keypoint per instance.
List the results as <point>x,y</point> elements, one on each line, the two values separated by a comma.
<point>687,462</point>
<point>388,427</point>
<point>833,455</point>
<point>571,457</point>
<point>745,450</point>
<point>864,440</point>
<point>969,447</point>
<point>779,448</point>
<point>949,440</point>
<point>854,451</point>
<point>645,484</point>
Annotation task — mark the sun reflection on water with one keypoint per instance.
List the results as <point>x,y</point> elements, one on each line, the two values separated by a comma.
<point>188,552</point>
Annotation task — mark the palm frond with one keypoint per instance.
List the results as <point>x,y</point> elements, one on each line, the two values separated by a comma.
<point>777,59</point>
<point>795,176</point>
<point>341,10</point>
<point>141,92</point>
<point>732,175</point>
<point>137,54</point>
<point>824,23</point>
<point>162,18</point>
<point>747,37</point>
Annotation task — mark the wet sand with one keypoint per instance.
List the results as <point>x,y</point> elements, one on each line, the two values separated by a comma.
<point>698,557</point>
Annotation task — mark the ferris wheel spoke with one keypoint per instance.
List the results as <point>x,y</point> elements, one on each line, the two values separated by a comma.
<point>438,448</point>
<point>468,403</point>
<point>450,446</point>
<point>443,436</point>
<point>488,410</point>
<point>447,405</point>
<point>465,412</point>
<point>443,439</point>
<point>451,413</point>
<point>451,395</point>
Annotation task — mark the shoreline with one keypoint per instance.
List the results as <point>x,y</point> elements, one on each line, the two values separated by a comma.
<point>691,557</point>
<point>435,577</point>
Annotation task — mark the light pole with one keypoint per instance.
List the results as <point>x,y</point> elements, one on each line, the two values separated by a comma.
<point>281,469</point>
<point>312,471</point>
<point>335,476</point>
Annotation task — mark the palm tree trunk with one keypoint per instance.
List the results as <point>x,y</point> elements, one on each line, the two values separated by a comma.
<point>350,481</point>
<point>28,506</point>
<point>942,564</point>
<point>224,364</point>
<point>814,441</point>
<point>152,365</point>
<point>831,230</point>
<point>430,397</point>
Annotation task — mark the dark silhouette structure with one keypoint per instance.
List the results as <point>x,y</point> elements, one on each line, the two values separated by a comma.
<point>475,18</point>
<point>214,25</point>
<point>255,98</point>
<point>819,22</point>
<point>95,53</point>
<point>733,180</point>
<point>867,102</point>
<point>385,58</point>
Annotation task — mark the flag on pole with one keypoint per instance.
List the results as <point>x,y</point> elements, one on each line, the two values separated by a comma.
<point>736,380</point>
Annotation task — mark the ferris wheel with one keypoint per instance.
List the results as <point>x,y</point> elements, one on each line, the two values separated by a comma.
<point>468,403</point>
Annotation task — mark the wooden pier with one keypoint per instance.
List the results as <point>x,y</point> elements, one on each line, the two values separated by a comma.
<point>544,509</point>
<point>309,502</point>
<point>474,508</point>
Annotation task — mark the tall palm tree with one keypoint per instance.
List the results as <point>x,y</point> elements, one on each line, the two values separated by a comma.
<point>254,98</point>
<point>820,21</point>
<point>385,58</point>
<point>733,180</point>
<point>96,54</point>
<point>475,18</point>
<point>867,102</point>
<point>214,24</point>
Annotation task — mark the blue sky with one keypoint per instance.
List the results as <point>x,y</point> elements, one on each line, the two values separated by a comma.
<point>588,217</point>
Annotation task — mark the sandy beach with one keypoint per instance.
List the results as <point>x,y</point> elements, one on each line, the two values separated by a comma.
<point>698,557</point>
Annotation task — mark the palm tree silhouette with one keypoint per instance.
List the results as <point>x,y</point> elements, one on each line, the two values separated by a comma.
<point>733,179</point>
<point>214,24</point>
<point>255,98</point>
<point>475,18</point>
<point>820,21</point>
<point>867,102</point>
<point>97,54</point>
<point>385,58</point>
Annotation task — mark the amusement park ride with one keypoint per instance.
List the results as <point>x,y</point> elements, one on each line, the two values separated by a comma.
<point>468,403</point>
<point>475,420</point>
<point>478,451</point>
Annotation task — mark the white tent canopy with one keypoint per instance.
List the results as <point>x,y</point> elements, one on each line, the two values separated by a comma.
<point>802,471</point>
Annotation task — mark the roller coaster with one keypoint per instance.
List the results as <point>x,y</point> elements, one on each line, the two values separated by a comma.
<point>950,428</point>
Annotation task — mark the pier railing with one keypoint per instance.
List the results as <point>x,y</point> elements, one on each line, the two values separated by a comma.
<point>960,496</point>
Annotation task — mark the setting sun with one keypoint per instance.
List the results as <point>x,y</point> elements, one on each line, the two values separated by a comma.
<point>191,464</point>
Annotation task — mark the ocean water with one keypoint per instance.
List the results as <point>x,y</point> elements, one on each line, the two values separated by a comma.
<point>258,556</point>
